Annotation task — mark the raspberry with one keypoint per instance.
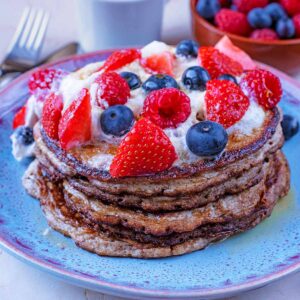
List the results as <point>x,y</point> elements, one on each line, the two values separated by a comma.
<point>265,34</point>
<point>263,87</point>
<point>291,6</point>
<point>232,22</point>
<point>245,6</point>
<point>296,20</point>
<point>75,125</point>
<point>112,89</point>
<point>119,59</point>
<point>43,80</point>
<point>145,150</point>
<point>167,107</point>
<point>217,63</point>
<point>51,115</point>
<point>225,102</point>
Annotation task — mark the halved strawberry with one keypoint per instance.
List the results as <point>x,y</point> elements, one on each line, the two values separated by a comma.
<point>51,115</point>
<point>228,48</point>
<point>19,118</point>
<point>119,59</point>
<point>263,87</point>
<point>217,63</point>
<point>225,102</point>
<point>75,124</point>
<point>145,150</point>
<point>162,63</point>
<point>112,89</point>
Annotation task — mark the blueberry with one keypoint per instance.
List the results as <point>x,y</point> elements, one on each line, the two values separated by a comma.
<point>187,48</point>
<point>159,81</point>
<point>208,8</point>
<point>259,18</point>
<point>276,11</point>
<point>24,135</point>
<point>132,79</point>
<point>290,126</point>
<point>285,28</point>
<point>228,77</point>
<point>195,78</point>
<point>117,120</point>
<point>206,138</point>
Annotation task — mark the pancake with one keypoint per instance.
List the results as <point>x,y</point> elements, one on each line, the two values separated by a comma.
<point>95,128</point>
<point>61,218</point>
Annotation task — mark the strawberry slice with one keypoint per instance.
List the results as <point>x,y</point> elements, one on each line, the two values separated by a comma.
<point>162,63</point>
<point>228,48</point>
<point>19,118</point>
<point>145,150</point>
<point>217,63</point>
<point>225,102</point>
<point>74,127</point>
<point>51,115</point>
<point>119,59</point>
<point>112,89</point>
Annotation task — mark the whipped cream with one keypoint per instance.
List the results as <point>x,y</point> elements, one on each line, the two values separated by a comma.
<point>72,84</point>
<point>19,150</point>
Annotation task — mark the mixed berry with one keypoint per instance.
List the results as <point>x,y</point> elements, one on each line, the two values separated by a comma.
<point>227,75</point>
<point>258,19</point>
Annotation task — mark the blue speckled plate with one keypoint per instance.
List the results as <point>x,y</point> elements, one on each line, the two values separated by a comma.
<point>243,262</point>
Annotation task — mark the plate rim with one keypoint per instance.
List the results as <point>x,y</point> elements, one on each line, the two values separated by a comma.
<point>121,289</point>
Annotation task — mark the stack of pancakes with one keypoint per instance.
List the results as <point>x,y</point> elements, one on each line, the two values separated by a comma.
<point>177,211</point>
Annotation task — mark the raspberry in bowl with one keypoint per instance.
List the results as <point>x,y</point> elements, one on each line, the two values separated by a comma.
<point>264,29</point>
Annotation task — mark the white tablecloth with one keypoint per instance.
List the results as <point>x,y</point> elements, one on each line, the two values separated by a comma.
<point>21,282</point>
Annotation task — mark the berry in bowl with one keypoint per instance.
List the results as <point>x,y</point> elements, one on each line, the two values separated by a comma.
<point>264,29</point>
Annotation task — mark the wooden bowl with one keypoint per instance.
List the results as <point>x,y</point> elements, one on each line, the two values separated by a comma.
<point>282,54</point>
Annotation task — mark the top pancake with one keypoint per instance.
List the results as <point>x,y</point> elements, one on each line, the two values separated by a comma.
<point>239,147</point>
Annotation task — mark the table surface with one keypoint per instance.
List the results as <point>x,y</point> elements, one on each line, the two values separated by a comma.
<point>20,281</point>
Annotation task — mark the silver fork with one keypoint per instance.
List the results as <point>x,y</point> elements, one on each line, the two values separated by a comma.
<point>24,51</point>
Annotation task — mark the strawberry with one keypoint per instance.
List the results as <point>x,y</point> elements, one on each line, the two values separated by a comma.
<point>51,115</point>
<point>291,6</point>
<point>232,22</point>
<point>296,20</point>
<point>245,6</point>
<point>225,46</point>
<point>217,63</point>
<point>75,124</point>
<point>263,87</point>
<point>225,102</point>
<point>112,89</point>
<point>43,80</point>
<point>121,58</point>
<point>265,34</point>
<point>145,150</point>
<point>161,63</point>
<point>19,118</point>
<point>167,107</point>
